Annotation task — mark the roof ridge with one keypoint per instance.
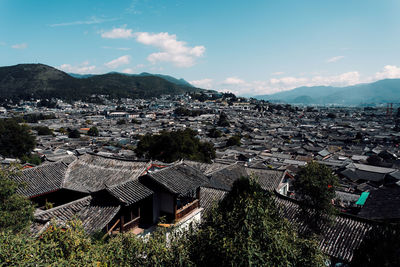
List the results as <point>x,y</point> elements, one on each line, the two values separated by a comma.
<point>63,206</point>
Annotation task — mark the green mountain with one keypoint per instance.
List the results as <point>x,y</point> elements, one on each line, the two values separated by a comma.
<point>42,81</point>
<point>383,91</point>
<point>143,74</point>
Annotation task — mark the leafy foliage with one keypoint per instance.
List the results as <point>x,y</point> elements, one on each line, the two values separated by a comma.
<point>223,120</point>
<point>16,211</point>
<point>246,229</point>
<point>32,158</point>
<point>73,133</point>
<point>234,141</point>
<point>93,131</point>
<point>315,185</point>
<point>214,133</point>
<point>172,146</point>
<point>187,112</point>
<point>15,139</point>
<point>43,130</point>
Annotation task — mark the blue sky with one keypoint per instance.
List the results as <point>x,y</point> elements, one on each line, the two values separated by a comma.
<point>247,47</point>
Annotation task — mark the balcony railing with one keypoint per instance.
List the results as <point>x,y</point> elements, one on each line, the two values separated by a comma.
<point>182,212</point>
<point>132,224</point>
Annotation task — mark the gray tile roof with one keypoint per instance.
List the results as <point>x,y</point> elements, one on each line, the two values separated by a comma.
<point>180,179</point>
<point>130,192</point>
<point>94,214</point>
<point>340,239</point>
<point>210,197</point>
<point>92,173</point>
<point>225,177</point>
<point>268,179</point>
<point>41,180</point>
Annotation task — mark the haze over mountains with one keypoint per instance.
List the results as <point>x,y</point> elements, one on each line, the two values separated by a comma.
<point>42,81</point>
<point>383,91</point>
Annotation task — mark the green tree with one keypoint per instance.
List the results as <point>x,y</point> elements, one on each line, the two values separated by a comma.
<point>214,133</point>
<point>16,211</point>
<point>381,247</point>
<point>15,140</point>
<point>315,186</point>
<point>234,141</point>
<point>74,133</point>
<point>32,158</point>
<point>121,122</point>
<point>43,130</point>
<point>175,145</point>
<point>93,131</point>
<point>246,229</point>
<point>223,120</point>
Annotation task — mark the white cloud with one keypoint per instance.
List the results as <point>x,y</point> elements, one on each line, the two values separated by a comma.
<point>203,83</point>
<point>113,64</point>
<point>20,46</point>
<point>128,71</point>
<point>277,73</point>
<point>334,59</point>
<point>92,20</point>
<point>118,33</point>
<point>233,81</point>
<point>83,68</point>
<point>171,50</point>
<point>389,72</point>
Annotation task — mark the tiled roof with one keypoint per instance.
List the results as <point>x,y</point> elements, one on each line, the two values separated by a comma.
<point>209,197</point>
<point>41,180</point>
<point>93,213</point>
<point>225,177</point>
<point>92,173</point>
<point>180,179</point>
<point>268,179</point>
<point>340,239</point>
<point>383,203</point>
<point>130,192</point>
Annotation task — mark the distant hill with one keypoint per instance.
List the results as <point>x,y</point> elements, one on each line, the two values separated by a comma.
<point>143,74</point>
<point>383,91</point>
<point>42,81</point>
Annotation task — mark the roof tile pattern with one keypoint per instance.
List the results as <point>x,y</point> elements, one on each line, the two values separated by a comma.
<point>92,173</point>
<point>268,179</point>
<point>42,179</point>
<point>130,192</point>
<point>180,179</point>
<point>94,214</point>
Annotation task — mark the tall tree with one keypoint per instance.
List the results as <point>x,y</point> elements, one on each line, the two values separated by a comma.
<point>15,139</point>
<point>315,186</point>
<point>246,229</point>
<point>16,211</point>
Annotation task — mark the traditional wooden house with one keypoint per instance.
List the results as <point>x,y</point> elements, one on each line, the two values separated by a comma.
<point>176,191</point>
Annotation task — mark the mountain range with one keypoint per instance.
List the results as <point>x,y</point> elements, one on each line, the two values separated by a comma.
<point>379,92</point>
<point>41,81</point>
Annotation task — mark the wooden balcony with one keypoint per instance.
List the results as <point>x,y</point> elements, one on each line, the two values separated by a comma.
<point>182,212</point>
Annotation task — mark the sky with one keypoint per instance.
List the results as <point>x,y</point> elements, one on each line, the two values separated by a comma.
<point>245,47</point>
